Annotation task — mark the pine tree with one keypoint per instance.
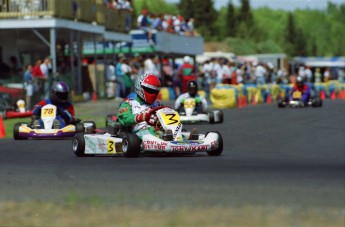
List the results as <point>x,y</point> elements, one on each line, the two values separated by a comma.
<point>186,8</point>
<point>245,25</point>
<point>290,35</point>
<point>230,20</point>
<point>205,15</point>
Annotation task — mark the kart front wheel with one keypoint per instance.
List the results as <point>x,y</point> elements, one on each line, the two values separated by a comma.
<point>131,145</point>
<point>16,135</point>
<point>219,150</point>
<point>317,103</point>
<point>78,144</point>
<point>211,117</point>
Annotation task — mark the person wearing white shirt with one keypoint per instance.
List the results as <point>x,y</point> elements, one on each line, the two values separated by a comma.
<point>260,74</point>
<point>45,67</point>
<point>149,66</point>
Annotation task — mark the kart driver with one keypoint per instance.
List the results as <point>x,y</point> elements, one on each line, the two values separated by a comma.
<point>134,110</point>
<point>65,110</point>
<point>201,103</point>
<point>303,88</point>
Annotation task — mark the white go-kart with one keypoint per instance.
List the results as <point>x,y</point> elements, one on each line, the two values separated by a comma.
<point>170,138</point>
<point>51,126</point>
<point>190,115</point>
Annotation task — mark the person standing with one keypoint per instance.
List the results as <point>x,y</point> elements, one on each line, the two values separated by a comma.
<point>187,73</point>
<point>45,68</point>
<point>28,85</point>
<point>39,80</point>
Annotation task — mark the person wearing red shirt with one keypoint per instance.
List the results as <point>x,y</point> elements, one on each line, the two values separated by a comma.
<point>186,73</point>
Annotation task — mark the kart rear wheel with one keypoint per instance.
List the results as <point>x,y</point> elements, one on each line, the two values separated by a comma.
<point>89,129</point>
<point>16,135</point>
<point>78,144</point>
<point>281,104</point>
<point>131,145</point>
<point>218,150</point>
<point>220,116</point>
<point>211,117</point>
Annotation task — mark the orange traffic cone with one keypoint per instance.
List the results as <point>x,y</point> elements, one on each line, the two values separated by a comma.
<point>2,128</point>
<point>254,100</point>
<point>268,99</point>
<point>343,94</point>
<point>94,96</point>
<point>333,96</point>
<point>244,104</point>
<point>322,95</point>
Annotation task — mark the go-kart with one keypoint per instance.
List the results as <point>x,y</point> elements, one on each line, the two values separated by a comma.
<point>17,111</point>
<point>189,114</point>
<point>296,101</point>
<point>170,138</point>
<point>51,126</point>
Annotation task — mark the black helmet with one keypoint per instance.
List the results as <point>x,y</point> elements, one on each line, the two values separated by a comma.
<point>192,88</point>
<point>59,93</point>
<point>299,81</point>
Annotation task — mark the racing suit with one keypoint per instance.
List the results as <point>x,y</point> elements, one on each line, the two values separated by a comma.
<point>201,103</point>
<point>130,108</point>
<point>65,112</point>
<point>305,90</point>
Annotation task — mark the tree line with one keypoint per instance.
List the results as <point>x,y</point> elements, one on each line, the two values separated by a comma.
<point>302,32</point>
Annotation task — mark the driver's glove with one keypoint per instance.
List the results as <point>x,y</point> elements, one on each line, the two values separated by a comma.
<point>142,117</point>
<point>153,119</point>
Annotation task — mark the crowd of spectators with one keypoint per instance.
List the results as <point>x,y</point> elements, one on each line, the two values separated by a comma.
<point>210,73</point>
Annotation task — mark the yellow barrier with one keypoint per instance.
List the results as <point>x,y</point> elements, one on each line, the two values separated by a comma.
<point>223,98</point>
<point>164,94</point>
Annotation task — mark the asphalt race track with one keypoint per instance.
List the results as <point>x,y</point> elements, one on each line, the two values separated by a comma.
<point>271,157</point>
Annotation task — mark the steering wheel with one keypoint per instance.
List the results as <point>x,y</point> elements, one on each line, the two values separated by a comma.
<point>152,112</point>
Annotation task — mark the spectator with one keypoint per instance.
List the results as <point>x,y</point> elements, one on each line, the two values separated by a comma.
<point>167,73</point>
<point>186,73</point>
<point>40,79</point>
<point>144,23</point>
<point>45,68</point>
<point>308,74</point>
<point>127,6</point>
<point>260,74</point>
<point>120,82</point>
<point>226,70</point>
<point>327,75</point>
<point>126,72</point>
<point>158,22</point>
<point>341,75</point>
<point>111,80</point>
<point>28,85</point>
<point>281,76</point>
<point>149,65</point>
<point>176,79</point>
<point>317,76</point>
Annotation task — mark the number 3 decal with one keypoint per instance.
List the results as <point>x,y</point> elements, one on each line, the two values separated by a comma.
<point>171,119</point>
<point>111,146</point>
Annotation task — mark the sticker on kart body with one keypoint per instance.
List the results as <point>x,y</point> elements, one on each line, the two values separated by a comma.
<point>111,147</point>
<point>171,118</point>
<point>297,95</point>
<point>48,112</point>
<point>189,103</point>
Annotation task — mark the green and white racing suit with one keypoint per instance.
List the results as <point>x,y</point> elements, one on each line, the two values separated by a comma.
<point>128,110</point>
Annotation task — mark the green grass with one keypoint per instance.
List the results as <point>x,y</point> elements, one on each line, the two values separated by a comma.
<point>76,212</point>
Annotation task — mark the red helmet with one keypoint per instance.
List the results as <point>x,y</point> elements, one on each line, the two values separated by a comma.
<point>147,87</point>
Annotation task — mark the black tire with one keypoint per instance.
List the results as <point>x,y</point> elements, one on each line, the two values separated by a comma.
<point>16,131</point>
<point>131,145</point>
<point>93,127</point>
<point>221,116</point>
<point>211,117</point>
<point>78,144</point>
<point>79,127</point>
<point>281,104</point>
<point>219,150</point>
<point>317,103</point>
